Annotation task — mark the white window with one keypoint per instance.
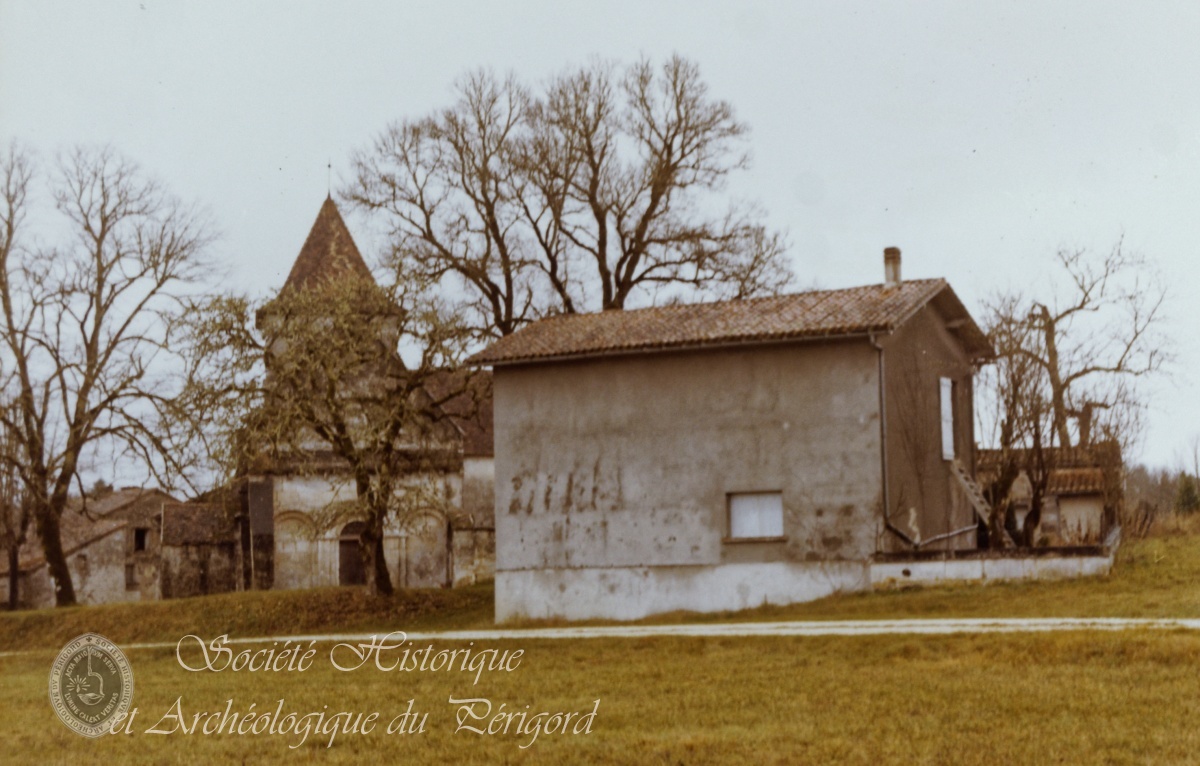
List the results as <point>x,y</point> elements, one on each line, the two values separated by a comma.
<point>947,400</point>
<point>755,514</point>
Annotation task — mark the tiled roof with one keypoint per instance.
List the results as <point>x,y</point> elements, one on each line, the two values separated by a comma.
<point>328,253</point>
<point>1073,471</point>
<point>815,314</point>
<point>118,499</point>
<point>1076,481</point>
<point>470,410</point>
<point>196,523</point>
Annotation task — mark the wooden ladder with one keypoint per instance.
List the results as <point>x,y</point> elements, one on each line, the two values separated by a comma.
<point>973,491</point>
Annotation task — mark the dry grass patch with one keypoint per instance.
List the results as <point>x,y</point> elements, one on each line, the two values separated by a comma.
<point>983,699</point>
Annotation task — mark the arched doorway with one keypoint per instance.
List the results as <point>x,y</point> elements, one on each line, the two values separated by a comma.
<point>350,559</point>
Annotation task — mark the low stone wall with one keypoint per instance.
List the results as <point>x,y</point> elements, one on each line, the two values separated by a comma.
<point>896,571</point>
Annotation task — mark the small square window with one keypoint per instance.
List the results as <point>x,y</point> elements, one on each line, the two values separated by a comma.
<point>139,538</point>
<point>755,515</point>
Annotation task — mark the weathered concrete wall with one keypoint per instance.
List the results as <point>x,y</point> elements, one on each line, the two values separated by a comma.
<point>924,496</point>
<point>198,570</point>
<point>97,571</point>
<point>627,462</point>
<point>1080,518</point>
<point>144,514</point>
<point>474,543</point>
<point>295,551</point>
<point>478,492</point>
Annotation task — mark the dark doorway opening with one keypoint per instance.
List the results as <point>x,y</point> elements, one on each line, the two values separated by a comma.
<point>350,559</point>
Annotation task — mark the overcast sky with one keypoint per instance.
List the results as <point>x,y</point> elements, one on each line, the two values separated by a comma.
<point>979,138</point>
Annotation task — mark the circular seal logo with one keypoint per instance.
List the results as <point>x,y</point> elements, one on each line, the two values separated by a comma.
<point>90,684</point>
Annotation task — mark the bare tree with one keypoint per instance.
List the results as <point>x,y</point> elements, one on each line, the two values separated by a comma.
<point>321,378</point>
<point>1095,338</point>
<point>1014,390</point>
<point>14,515</point>
<point>1067,370</point>
<point>87,326</point>
<point>599,191</point>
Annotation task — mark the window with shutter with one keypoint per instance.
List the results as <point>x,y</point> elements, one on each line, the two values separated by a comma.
<point>947,402</point>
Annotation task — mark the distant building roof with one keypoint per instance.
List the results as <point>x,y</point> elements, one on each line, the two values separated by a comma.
<point>808,315</point>
<point>1073,471</point>
<point>1076,481</point>
<point>328,253</point>
<point>118,500</point>
<point>196,524</point>
<point>470,409</point>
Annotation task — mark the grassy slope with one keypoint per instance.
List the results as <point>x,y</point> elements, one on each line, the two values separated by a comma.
<point>1158,577</point>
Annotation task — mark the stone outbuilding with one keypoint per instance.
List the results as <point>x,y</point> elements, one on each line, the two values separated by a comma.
<point>1083,486</point>
<point>201,551</point>
<point>719,456</point>
<point>112,545</point>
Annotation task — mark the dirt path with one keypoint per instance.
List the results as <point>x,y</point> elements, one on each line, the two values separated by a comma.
<point>790,628</point>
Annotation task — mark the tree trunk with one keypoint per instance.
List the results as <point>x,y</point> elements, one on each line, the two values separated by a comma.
<point>379,582</point>
<point>1057,389</point>
<point>14,576</point>
<point>56,560</point>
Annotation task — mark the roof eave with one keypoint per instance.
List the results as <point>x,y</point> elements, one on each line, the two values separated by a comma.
<point>866,333</point>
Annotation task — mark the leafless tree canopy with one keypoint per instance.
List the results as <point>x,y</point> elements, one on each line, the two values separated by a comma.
<point>1070,360</point>
<point>88,323</point>
<point>599,191</point>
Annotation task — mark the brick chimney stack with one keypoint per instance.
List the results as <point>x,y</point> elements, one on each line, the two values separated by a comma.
<point>891,266</point>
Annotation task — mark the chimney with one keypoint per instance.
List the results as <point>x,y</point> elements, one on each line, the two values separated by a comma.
<point>891,266</point>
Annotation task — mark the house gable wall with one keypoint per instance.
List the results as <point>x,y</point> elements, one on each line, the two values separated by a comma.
<point>924,498</point>
<point>626,462</point>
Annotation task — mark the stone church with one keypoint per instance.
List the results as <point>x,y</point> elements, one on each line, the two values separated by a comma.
<point>295,544</point>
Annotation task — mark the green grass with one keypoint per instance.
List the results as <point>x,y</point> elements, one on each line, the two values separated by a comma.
<point>1084,698</point>
<point>254,613</point>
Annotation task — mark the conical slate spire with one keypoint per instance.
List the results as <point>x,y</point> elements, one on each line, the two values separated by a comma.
<point>329,253</point>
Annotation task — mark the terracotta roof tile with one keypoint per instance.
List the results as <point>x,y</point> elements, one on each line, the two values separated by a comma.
<point>815,314</point>
<point>196,523</point>
<point>117,500</point>
<point>470,410</point>
<point>1073,471</point>
<point>328,253</point>
<point>1076,481</point>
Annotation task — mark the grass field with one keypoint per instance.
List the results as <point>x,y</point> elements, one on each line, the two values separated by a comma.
<point>988,699</point>
<point>1071,697</point>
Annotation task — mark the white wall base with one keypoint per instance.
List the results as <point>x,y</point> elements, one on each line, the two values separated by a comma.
<point>630,593</point>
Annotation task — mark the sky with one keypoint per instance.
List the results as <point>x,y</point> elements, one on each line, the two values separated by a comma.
<point>980,138</point>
